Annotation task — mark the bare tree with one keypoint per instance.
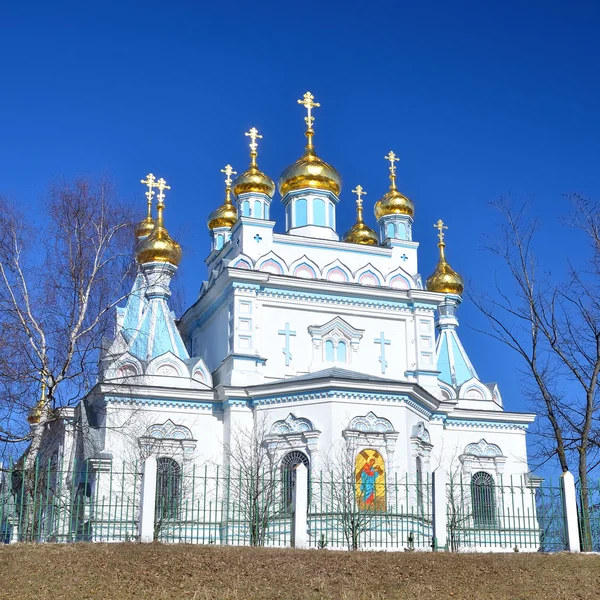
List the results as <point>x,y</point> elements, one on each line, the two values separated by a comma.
<point>255,489</point>
<point>554,326</point>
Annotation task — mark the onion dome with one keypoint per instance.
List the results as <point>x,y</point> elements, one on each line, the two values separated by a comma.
<point>309,171</point>
<point>444,279</point>
<point>34,416</point>
<point>253,180</point>
<point>159,246</point>
<point>360,233</point>
<point>144,228</point>
<point>393,202</point>
<point>226,214</point>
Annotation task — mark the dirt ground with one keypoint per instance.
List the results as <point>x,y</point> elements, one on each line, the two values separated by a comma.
<point>149,572</point>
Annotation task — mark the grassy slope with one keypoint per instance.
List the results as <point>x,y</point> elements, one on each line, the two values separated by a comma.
<point>155,571</point>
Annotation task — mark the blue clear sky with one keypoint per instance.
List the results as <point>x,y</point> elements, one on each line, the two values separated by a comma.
<point>479,99</point>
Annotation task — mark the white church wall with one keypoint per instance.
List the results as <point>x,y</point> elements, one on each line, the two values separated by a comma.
<point>211,340</point>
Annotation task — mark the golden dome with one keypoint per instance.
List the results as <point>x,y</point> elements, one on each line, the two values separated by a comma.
<point>226,214</point>
<point>253,180</point>
<point>309,171</point>
<point>159,246</point>
<point>444,279</point>
<point>144,228</point>
<point>393,202</point>
<point>34,416</point>
<point>360,233</point>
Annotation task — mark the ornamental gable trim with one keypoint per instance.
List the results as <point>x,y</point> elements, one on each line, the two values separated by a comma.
<point>371,423</point>
<point>337,326</point>
<point>291,424</point>
<point>483,449</point>
<point>168,431</point>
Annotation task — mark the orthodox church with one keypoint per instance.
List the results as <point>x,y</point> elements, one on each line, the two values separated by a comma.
<point>326,339</point>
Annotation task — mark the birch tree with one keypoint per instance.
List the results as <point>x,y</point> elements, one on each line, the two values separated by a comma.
<point>62,271</point>
<point>553,324</point>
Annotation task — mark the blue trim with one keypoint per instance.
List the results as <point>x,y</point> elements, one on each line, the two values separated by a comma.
<point>203,405</point>
<point>330,393</point>
<point>312,191</point>
<point>420,372</point>
<point>240,284</point>
<point>494,424</point>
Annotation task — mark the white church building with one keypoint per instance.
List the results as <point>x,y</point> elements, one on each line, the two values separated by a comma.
<point>327,339</point>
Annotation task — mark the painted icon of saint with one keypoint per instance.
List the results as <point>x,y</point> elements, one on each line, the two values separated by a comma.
<point>368,478</point>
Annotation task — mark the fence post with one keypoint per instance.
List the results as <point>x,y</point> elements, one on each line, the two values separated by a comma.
<point>300,508</point>
<point>440,515</point>
<point>570,512</point>
<point>147,500</point>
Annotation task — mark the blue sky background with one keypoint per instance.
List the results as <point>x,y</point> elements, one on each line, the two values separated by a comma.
<point>479,99</point>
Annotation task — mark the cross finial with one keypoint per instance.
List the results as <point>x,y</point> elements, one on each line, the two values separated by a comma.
<point>358,190</point>
<point>228,170</point>
<point>253,135</point>
<point>440,227</point>
<point>392,158</point>
<point>307,102</point>
<point>161,184</point>
<point>150,181</point>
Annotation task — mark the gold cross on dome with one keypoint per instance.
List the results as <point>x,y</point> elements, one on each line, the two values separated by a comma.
<point>228,170</point>
<point>253,135</point>
<point>392,158</point>
<point>440,227</point>
<point>150,181</point>
<point>358,190</point>
<point>161,184</point>
<point>308,103</point>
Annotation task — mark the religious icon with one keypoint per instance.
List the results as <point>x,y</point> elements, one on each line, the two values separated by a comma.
<point>370,480</point>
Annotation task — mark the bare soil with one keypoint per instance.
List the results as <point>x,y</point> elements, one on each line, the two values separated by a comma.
<point>165,572</point>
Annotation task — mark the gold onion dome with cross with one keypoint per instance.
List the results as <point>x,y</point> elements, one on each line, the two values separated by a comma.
<point>360,233</point>
<point>444,279</point>
<point>309,171</point>
<point>226,214</point>
<point>253,180</point>
<point>144,227</point>
<point>158,246</point>
<point>393,202</point>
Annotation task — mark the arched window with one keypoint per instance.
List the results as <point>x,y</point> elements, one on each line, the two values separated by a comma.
<point>390,231</point>
<point>484,499</point>
<point>257,210</point>
<point>168,490</point>
<point>266,211</point>
<point>219,243</point>
<point>301,216</point>
<point>341,352</point>
<point>245,208</point>
<point>329,356</point>
<point>319,212</point>
<point>288,473</point>
<point>331,216</point>
<point>419,484</point>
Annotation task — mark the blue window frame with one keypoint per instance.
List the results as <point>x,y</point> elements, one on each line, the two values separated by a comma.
<point>390,230</point>
<point>331,219</point>
<point>245,208</point>
<point>257,210</point>
<point>341,352</point>
<point>301,214</point>
<point>319,212</point>
<point>329,350</point>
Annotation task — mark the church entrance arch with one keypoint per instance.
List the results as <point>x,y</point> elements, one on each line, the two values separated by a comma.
<point>288,474</point>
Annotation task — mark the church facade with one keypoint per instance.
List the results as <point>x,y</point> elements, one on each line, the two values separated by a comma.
<point>318,340</point>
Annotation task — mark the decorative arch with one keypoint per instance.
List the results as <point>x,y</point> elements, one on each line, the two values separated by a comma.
<point>126,367</point>
<point>337,271</point>
<point>399,279</point>
<point>483,449</point>
<point>421,432</point>
<point>168,431</point>
<point>448,393</point>
<point>242,262</point>
<point>473,389</point>
<point>371,423</point>
<point>201,373</point>
<point>369,275</point>
<point>167,365</point>
<point>271,263</point>
<point>291,424</point>
<point>305,268</point>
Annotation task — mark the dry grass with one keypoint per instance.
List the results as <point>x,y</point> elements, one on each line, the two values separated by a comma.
<point>148,572</point>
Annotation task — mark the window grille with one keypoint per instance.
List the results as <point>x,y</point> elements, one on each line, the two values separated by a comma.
<point>168,489</point>
<point>288,473</point>
<point>483,497</point>
<point>419,483</point>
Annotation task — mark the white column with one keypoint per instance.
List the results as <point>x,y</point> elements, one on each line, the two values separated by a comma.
<point>570,512</point>
<point>148,500</point>
<point>300,509</point>
<point>440,516</point>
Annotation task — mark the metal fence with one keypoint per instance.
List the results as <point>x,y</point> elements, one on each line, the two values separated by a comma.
<point>207,505</point>
<point>589,520</point>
